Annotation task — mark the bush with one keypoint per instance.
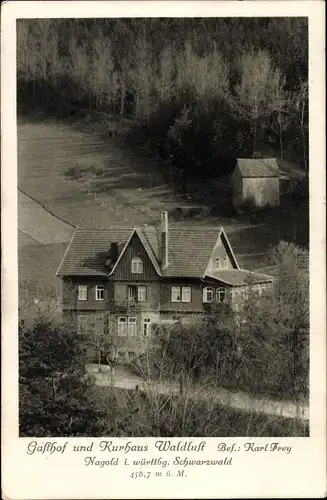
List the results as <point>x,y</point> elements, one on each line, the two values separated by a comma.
<point>150,414</point>
<point>53,385</point>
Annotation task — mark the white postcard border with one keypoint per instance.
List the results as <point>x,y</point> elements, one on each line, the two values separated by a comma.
<point>301,473</point>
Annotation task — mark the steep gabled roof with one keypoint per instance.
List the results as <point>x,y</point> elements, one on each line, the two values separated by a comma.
<point>253,167</point>
<point>223,238</point>
<point>147,246</point>
<point>88,250</point>
<point>237,277</point>
<point>189,250</point>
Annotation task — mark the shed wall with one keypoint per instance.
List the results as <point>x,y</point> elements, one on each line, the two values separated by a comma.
<point>263,191</point>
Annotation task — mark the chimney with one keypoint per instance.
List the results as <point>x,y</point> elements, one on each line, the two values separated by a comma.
<point>113,252</point>
<point>164,239</point>
<point>112,255</point>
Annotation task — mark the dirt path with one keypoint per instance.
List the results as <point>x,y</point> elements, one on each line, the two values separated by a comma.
<point>238,400</point>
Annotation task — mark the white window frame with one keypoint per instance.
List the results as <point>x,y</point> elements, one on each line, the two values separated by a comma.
<point>186,297</point>
<point>225,263</point>
<point>142,293</point>
<point>122,331</point>
<point>175,293</point>
<point>221,291</point>
<point>131,326</point>
<point>99,288</point>
<point>146,330</point>
<point>82,292</point>
<point>137,265</point>
<point>206,291</point>
<point>217,263</point>
<point>130,296</point>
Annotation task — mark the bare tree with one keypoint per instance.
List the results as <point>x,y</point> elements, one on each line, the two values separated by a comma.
<point>301,106</point>
<point>78,68</point>
<point>141,76</point>
<point>253,95</point>
<point>164,80</point>
<point>23,51</point>
<point>104,76</point>
<point>280,104</point>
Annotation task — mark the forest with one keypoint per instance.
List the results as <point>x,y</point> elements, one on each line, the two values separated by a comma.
<point>199,92</point>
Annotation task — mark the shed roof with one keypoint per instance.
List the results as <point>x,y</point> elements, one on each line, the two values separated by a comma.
<point>253,167</point>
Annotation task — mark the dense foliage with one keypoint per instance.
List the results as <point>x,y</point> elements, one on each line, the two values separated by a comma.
<point>53,386</point>
<point>201,92</point>
<point>150,414</point>
<point>57,399</point>
<point>263,350</point>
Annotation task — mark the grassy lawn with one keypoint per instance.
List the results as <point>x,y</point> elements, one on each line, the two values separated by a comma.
<point>82,179</point>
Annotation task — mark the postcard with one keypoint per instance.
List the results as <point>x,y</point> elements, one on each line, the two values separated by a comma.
<point>163,249</point>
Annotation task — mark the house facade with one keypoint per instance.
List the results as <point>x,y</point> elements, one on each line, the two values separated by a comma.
<point>123,282</point>
<point>256,181</point>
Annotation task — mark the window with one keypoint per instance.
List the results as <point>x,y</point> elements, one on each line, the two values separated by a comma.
<point>131,292</point>
<point>220,294</point>
<point>225,264</point>
<point>81,323</point>
<point>141,293</point>
<point>176,294</point>
<point>86,323</point>
<point>137,293</point>
<point>208,294</point>
<point>146,327</point>
<point>131,326</point>
<point>126,326</point>
<point>186,294</point>
<point>122,326</point>
<point>240,294</point>
<point>180,294</point>
<point>82,292</point>
<point>99,324</point>
<point>99,292</point>
<point>217,263</point>
<point>137,265</point>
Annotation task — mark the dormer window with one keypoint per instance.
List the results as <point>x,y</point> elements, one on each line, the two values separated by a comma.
<point>137,265</point>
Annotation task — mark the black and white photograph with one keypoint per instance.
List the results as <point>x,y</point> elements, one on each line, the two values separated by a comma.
<point>163,227</point>
<point>163,237</point>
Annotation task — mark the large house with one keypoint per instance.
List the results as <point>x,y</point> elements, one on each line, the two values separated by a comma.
<point>256,181</point>
<point>123,281</point>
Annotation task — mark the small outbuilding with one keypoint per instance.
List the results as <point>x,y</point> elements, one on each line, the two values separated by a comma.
<point>256,181</point>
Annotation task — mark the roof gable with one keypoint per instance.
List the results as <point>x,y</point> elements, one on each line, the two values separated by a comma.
<point>253,167</point>
<point>222,240</point>
<point>88,250</point>
<point>138,232</point>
